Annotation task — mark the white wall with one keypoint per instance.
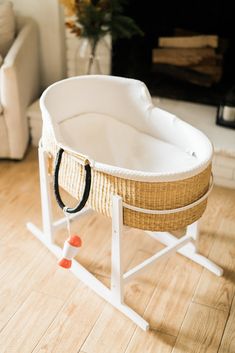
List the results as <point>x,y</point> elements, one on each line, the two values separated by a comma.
<point>48,15</point>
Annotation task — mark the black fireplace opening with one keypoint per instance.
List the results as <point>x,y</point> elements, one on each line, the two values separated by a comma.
<point>134,57</point>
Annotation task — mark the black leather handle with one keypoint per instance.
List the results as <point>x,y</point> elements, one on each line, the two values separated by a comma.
<point>86,192</point>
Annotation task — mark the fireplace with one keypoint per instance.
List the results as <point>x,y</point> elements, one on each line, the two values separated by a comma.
<point>133,57</point>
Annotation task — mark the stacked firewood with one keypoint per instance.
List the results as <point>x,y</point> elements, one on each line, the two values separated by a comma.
<point>194,58</point>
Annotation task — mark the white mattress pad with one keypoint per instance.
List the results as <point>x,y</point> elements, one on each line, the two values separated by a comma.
<point>111,142</point>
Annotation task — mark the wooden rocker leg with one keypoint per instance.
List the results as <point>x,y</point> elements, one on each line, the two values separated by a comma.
<point>189,250</point>
<point>114,295</point>
<point>117,229</point>
<point>117,278</point>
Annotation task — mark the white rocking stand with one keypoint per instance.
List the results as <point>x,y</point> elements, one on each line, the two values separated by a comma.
<point>186,245</point>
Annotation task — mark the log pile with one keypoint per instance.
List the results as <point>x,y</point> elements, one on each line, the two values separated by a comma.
<point>194,58</point>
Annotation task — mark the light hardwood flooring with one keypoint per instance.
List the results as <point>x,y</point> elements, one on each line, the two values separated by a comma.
<point>44,309</point>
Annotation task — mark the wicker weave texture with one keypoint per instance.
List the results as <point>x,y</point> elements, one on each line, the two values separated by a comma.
<point>147,195</point>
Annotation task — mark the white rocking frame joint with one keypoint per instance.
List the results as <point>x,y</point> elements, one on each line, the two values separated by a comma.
<point>186,246</point>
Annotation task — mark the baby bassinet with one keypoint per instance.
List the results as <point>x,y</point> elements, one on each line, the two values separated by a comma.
<point>149,157</point>
<point>119,155</point>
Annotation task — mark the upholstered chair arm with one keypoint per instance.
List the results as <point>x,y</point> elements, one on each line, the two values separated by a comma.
<point>19,85</point>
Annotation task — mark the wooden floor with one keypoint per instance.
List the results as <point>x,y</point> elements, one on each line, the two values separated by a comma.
<point>43,308</point>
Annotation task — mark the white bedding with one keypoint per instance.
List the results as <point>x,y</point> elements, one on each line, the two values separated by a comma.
<point>112,121</point>
<point>109,141</point>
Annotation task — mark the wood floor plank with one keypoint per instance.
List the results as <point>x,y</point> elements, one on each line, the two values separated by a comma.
<point>201,331</point>
<point>169,304</point>
<point>17,284</point>
<point>41,274</point>
<point>150,342</point>
<point>73,324</point>
<point>54,280</point>
<point>18,266</point>
<point>18,179</point>
<point>211,219</point>
<point>8,259</point>
<point>228,341</point>
<point>112,332</point>
<point>214,291</point>
<point>119,328</point>
<point>27,326</point>
<point>15,225</point>
<point>2,324</point>
<point>19,183</point>
<point>210,222</point>
<point>140,289</point>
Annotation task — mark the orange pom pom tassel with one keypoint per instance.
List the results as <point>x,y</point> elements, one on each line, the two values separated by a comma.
<point>65,263</point>
<point>75,240</point>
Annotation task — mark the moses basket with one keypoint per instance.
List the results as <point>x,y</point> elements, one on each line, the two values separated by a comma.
<point>149,157</point>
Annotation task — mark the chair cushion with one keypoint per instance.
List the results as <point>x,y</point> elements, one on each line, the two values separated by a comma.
<point>7,27</point>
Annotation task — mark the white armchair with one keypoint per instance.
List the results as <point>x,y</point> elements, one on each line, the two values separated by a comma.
<point>19,86</point>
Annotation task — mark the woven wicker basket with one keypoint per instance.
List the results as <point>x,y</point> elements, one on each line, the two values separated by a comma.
<point>174,201</point>
<point>146,195</point>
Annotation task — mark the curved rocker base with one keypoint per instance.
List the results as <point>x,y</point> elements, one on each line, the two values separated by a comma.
<point>186,246</point>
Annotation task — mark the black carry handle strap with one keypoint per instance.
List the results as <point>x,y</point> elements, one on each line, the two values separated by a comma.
<point>86,192</point>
